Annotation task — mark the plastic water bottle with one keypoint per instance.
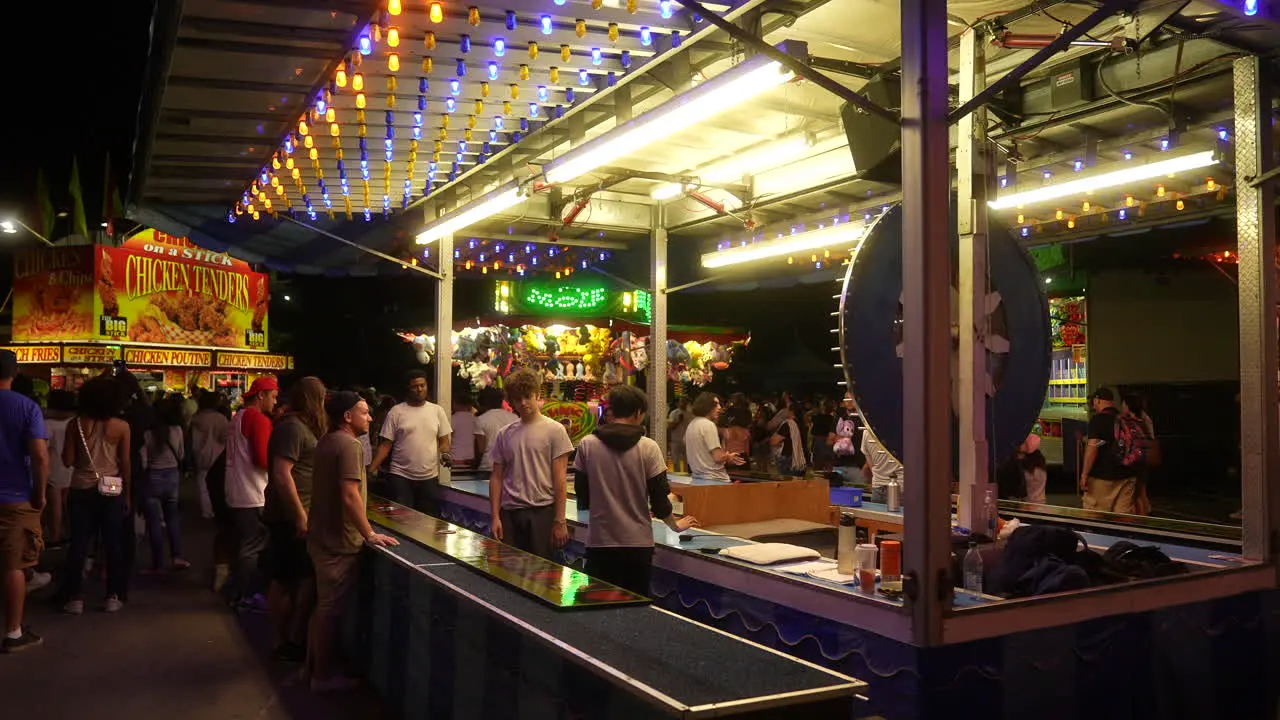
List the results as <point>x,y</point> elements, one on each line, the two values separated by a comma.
<point>973,569</point>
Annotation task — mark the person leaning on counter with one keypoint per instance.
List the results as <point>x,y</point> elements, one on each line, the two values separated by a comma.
<point>707,459</point>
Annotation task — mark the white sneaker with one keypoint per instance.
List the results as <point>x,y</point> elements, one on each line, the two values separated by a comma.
<point>38,580</point>
<point>74,607</point>
<point>112,604</point>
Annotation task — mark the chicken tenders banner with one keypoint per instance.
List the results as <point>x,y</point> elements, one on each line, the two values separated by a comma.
<point>157,288</point>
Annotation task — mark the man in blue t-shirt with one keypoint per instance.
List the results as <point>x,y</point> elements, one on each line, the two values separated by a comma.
<point>24,474</point>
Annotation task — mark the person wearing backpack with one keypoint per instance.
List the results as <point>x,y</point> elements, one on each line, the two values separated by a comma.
<point>1112,458</point>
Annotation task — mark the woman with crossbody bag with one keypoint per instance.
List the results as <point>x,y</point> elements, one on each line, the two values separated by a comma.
<point>97,450</point>
<point>162,453</point>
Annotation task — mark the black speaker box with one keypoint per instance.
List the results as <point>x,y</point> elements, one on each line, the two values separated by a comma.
<point>874,142</point>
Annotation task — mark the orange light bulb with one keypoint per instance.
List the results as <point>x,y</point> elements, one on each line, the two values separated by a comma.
<point>393,7</point>
<point>360,101</point>
<point>393,37</point>
<point>357,82</point>
<point>330,115</point>
<point>436,12</point>
<point>340,77</point>
<point>393,62</point>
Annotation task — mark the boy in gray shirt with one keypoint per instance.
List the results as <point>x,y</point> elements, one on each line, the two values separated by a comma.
<point>527,491</point>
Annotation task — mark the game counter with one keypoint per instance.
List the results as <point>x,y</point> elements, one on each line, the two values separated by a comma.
<point>451,623</point>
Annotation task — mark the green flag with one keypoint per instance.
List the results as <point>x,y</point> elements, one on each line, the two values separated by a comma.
<point>44,205</point>
<point>79,226</point>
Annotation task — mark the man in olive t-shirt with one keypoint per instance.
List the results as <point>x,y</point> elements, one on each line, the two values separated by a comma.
<point>339,527</point>
<point>291,452</point>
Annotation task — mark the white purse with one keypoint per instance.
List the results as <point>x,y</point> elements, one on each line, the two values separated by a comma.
<point>108,485</point>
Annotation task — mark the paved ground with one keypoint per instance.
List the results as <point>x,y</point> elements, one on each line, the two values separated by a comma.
<point>174,651</point>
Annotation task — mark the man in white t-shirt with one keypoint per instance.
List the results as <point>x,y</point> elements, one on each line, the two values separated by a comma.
<point>416,436</point>
<point>707,459</point>
<point>463,422</point>
<point>492,418</point>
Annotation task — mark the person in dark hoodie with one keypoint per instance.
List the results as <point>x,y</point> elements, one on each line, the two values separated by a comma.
<point>620,476</point>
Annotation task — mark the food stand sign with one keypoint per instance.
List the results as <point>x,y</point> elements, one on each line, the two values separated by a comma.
<point>576,417</point>
<point>157,288</point>
<point>90,354</point>
<point>36,354</point>
<point>161,357</point>
<point>53,295</point>
<point>253,361</point>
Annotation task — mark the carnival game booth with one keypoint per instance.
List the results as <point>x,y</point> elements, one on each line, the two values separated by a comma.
<point>175,314</point>
<point>737,137</point>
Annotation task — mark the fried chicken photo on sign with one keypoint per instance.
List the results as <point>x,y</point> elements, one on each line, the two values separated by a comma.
<point>260,308</point>
<point>106,292</point>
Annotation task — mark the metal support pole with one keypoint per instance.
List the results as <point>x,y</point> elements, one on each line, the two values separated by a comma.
<point>657,372</point>
<point>926,300</point>
<point>972,176</point>
<point>1256,250</point>
<point>444,334</point>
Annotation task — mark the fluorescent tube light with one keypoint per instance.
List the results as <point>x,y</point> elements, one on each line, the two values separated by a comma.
<point>1115,178</point>
<point>472,213</point>
<point>841,234</point>
<point>760,157</point>
<point>720,94</point>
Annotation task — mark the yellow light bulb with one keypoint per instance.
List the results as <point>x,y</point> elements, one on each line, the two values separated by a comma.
<point>275,162</point>
<point>515,91</point>
<point>580,28</point>
<point>597,4</point>
<point>393,62</point>
<point>484,89</point>
<point>555,75</point>
<point>288,163</point>
<point>375,32</point>
<point>1020,220</point>
<point>613,32</point>
<point>791,261</point>
<point>479,107</point>
<point>1181,205</point>
<point>1085,206</point>
<point>632,6</point>
<point>334,130</point>
<point>302,127</point>
<point>439,146</point>
<point>436,12</point>
<point>249,208</point>
<point>1209,184</point>
<point>279,188</point>
<point>506,107</point>
<point>393,7</point>
<point>524,72</point>
<point>360,101</point>
<point>471,121</point>
<point>267,204</point>
<point>1071,224</point>
<point>362,130</point>
<point>1159,191</point>
<point>813,257</point>
<point>1058,214</point>
<point>357,82</point>
<point>391,101</point>
<point>1128,201</point>
<point>393,37</point>
<point>426,65</point>
<point>256,216</point>
<point>360,117</point>
<point>330,115</point>
<point>308,142</point>
<point>533,51</point>
<point>430,40</point>
<point>466,134</point>
<point>473,16</point>
<point>564,53</point>
<point>826,253</point>
<point>557,274</point>
<point>340,77</point>
<point>313,154</point>
<point>444,122</point>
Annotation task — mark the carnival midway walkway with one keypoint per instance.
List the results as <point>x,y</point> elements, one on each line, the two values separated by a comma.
<point>174,651</point>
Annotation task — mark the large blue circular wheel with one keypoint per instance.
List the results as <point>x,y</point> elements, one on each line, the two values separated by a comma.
<point>1018,340</point>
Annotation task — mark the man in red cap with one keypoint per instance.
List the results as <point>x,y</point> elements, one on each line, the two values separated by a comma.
<point>247,463</point>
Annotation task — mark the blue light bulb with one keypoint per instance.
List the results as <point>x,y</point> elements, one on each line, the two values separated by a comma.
<point>462,147</point>
<point>1250,7</point>
<point>511,20</point>
<point>546,24</point>
<point>533,112</point>
<point>462,69</point>
<point>493,71</point>
<point>368,217</point>
<point>568,95</point>
<point>464,43</point>
<point>543,94</point>
<point>499,47</point>
<point>1222,134</point>
<point>584,78</point>
<point>422,86</point>
<point>450,104</point>
<point>366,45</point>
<point>497,121</point>
<point>422,102</point>
<point>664,7</point>
<point>417,133</point>
<point>596,56</point>
<point>646,36</point>
<point>455,86</point>
<point>387,143</point>
<point>288,145</point>
<point>321,105</point>
<point>493,135</point>
<point>417,118</point>
<point>625,59</point>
